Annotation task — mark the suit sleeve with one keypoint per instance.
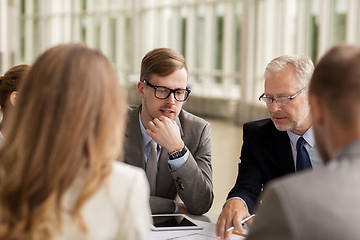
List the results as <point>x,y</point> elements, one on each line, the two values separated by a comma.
<point>161,205</point>
<point>194,179</point>
<point>271,221</point>
<point>250,179</point>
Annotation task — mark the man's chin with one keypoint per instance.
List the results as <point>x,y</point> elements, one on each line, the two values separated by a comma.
<point>282,127</point>
<point>170,116</point>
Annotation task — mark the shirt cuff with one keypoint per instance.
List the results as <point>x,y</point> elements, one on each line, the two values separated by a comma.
<point>237,198</point>
<point>178,162</point>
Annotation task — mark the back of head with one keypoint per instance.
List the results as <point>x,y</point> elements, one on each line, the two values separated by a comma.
<point>162,62</point>
<point>9,82</point>
<point>302,65</point>
<point>68,122</point>
<point>336,80</point>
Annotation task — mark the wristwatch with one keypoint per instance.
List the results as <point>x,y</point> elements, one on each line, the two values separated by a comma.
<point>177,154</point>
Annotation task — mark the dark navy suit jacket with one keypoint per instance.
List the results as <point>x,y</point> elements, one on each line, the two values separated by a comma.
<point>266,154</point>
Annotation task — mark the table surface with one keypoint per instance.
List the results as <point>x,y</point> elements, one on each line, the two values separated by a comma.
<point>208,217</point>
<point>207,221</point>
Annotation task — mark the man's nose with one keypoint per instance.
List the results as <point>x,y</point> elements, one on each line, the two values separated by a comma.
<point>171,99</point>
<point>273,107</point>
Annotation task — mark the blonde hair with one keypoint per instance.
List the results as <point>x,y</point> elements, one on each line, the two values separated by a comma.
<point>68,123</point>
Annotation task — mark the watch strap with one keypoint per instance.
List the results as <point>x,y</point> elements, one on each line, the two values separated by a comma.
<point>177,154</point>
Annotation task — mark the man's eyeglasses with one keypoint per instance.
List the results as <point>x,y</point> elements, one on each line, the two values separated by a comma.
<point>161,92</point>
<point>279,100</point>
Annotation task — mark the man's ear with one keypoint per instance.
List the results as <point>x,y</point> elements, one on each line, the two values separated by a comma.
<point>13,97</point>
<point>317,110</point>
<point>140,87</point>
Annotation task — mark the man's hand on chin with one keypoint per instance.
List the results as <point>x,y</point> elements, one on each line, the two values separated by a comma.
<point>166,133</point>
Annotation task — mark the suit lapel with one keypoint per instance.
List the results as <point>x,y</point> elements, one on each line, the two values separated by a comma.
<point>283,150</point>
<point>178,122</point>
<point>133,144</point>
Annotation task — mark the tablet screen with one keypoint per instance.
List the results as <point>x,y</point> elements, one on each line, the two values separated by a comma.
<point>173,221</point>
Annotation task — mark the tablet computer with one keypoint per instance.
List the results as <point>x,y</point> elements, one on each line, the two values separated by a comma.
<point>173,222</point>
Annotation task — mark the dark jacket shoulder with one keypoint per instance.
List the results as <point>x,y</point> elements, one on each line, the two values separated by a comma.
<point>260,127</point>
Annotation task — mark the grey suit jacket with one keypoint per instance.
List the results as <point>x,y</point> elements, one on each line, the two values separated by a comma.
<point>193,181</point>
<point>318,204</point>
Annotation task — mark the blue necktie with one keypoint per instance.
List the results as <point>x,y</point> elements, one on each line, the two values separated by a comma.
<point>302,156</point>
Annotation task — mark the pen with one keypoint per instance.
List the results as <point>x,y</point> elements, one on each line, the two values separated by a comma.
<point>242,221</point>
<point>239,233</point>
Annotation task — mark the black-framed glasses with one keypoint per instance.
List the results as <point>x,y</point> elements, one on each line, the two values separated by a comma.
<point>280,100</point>
<point>161,92</point>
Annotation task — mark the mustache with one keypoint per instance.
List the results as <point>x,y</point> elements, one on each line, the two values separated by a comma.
<point>167,108</point>
<point>274,115</point>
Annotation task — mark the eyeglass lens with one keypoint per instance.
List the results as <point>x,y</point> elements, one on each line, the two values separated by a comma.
<point>179,94</point>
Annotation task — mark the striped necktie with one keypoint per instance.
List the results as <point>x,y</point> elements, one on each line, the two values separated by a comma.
<point>151,167</point>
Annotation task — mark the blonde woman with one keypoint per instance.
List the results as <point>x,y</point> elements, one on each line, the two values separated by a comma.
<point>58,178</point>
<point>9,83</point>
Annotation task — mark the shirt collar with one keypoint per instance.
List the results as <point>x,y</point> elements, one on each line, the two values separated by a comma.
<point>308,136</point>
<point>146,138</point>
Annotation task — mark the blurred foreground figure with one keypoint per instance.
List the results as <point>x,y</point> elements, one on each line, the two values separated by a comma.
<point>57,171</point>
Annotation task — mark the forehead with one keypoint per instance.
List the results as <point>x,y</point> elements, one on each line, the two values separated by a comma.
<point>283,82</point>
<point>177,79</point>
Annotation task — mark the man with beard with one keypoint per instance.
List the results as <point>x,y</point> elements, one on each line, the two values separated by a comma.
<point>322,204</point>
<point>170,144</point>
<point>273,147</point>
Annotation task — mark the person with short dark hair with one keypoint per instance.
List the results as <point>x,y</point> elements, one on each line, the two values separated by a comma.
<point>9,83</point>
<point>172,145</point>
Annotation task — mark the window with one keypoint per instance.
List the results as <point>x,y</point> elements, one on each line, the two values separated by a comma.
<point>227,43</point>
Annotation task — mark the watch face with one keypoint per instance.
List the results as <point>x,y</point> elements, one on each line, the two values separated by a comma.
<point>177,154</point>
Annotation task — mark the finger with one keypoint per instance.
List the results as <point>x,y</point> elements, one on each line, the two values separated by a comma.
<point>220,226</point>
<point>227,235</point>
<point>151,125</point>
<point>163,118</point>
<point>237,222</point>
<point>156,121</point>
<point>248,223</point>
<point>224,223</point>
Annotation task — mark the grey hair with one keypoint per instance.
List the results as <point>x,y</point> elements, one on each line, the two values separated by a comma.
<point>302,65</point>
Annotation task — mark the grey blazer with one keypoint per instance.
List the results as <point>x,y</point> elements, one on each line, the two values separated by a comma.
<point>318,204</point>
<point>193,181</point>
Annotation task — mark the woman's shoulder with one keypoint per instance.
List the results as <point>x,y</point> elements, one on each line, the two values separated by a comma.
<point>126,170</point>
<point>126,175</point>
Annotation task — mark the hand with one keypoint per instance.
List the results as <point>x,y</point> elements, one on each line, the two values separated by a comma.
<point>231,215</point>
<point>166,133</point>
<point>182,208</point>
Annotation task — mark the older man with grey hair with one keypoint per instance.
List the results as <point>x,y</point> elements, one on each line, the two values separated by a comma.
<point>276,146</point>
<point>322,204</point>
